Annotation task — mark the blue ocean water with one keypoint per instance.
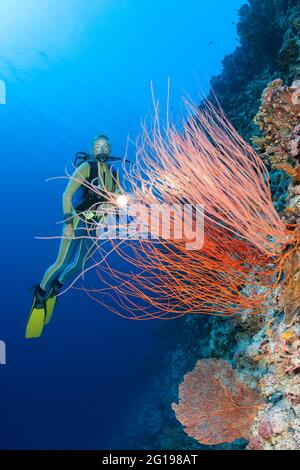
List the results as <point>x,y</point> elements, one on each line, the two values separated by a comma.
<point>72,70</point>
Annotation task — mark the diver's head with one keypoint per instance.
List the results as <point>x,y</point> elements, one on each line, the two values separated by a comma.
<point>101,147</point>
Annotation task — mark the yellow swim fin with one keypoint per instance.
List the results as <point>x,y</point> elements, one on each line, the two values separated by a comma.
<point>36,319</point>
<point>35,323</point>
<point>50,305</point>
<point>51,300</point>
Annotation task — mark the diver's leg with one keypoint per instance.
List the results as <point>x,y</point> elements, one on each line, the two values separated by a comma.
<point>41,312</point>
<point>55,281</point>
<point>87,248</point>
<point>85,251</point>
<point>69,269</point>
<point>66,252</point>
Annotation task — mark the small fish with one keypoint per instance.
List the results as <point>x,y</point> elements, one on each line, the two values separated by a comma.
<point>210,43</point>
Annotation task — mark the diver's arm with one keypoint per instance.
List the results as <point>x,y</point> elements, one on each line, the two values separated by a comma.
<point>79,175</point>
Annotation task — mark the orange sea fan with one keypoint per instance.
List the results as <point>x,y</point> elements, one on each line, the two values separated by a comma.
<point>214,405</point>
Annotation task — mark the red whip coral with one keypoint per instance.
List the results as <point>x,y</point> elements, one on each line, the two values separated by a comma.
<point>214,405</point>
<point>207,163</point>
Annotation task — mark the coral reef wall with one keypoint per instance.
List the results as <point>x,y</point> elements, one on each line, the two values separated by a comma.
<point>278,120</point>
<point>256,88</point>
<point>269,48</point>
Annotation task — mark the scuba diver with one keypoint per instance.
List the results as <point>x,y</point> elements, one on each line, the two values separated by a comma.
<point>75,250</point>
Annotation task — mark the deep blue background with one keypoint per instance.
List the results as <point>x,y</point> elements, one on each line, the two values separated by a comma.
<point>74,69</point>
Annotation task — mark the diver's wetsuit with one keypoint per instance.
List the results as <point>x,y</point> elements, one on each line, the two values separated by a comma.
<point>73,253</point>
